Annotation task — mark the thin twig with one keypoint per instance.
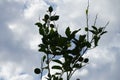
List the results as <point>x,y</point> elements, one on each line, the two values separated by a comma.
<point>87,20</point>
<point>95,19</point>
<point>106,24</point>
<point>41,69</point>
<point>48,64</point>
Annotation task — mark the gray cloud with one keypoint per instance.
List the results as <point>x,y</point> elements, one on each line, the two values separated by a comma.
<point>15,43</point>
<point>108,52</point>
<point>14,47</point>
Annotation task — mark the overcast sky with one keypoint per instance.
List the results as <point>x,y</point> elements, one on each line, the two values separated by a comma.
<point>19,36</point>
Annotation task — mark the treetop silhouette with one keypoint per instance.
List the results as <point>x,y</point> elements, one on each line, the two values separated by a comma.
<point>70,47</point>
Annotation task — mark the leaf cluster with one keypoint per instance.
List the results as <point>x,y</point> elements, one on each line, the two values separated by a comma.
<point>55,45</point>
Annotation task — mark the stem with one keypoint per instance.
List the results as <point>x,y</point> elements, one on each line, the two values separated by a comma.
<point>80,56</point>
<point>48,67</point>
<point>106,25</point>
<point>67,76</point>
<point>95,19</point>
<point>87,21</point>
<point>61,74</point>
<point>72,73</point>
<point>41,69</point>
<point>84,51</point>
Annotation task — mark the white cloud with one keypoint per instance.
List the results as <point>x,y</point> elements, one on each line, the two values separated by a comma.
<point>22,77</point>
<point>19,36</point>
<point>34,42</point>
<point>16,29</point>
<point>34,8</point>
<point>12,71</point>
<point>31,9</point>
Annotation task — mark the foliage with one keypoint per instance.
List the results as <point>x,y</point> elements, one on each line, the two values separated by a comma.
<point>56,46</point>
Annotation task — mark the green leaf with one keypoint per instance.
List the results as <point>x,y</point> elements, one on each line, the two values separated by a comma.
<point>41,31</point>
<point>66,65</point>
<point>94,32</point>
<point>57,67</point>
<point>55,77</point>
<point>68,45</point>
<point>57,61</point>
<point>70,58</point>
<point>94,28</point>
<point>42,48</point>
<point>67,68</point>
<point>52,25</point>
<point>44,40</point>
<point>61,79</point>
<point>77,66</point>
<point>82,38</point>
<point>38,24</point>
<point>80,59</point>
<point>88,44</point>
<point>103,32</point>
<point>57,73</point>
<point>54,18</point>
<point>74,32</point>
<point>100,29</point>
<point>47,30</point>
<point>46,17</point>
<point>50,9</point>
<point>67,32</point>
<point>44,57</point>
<point>96,39</point>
